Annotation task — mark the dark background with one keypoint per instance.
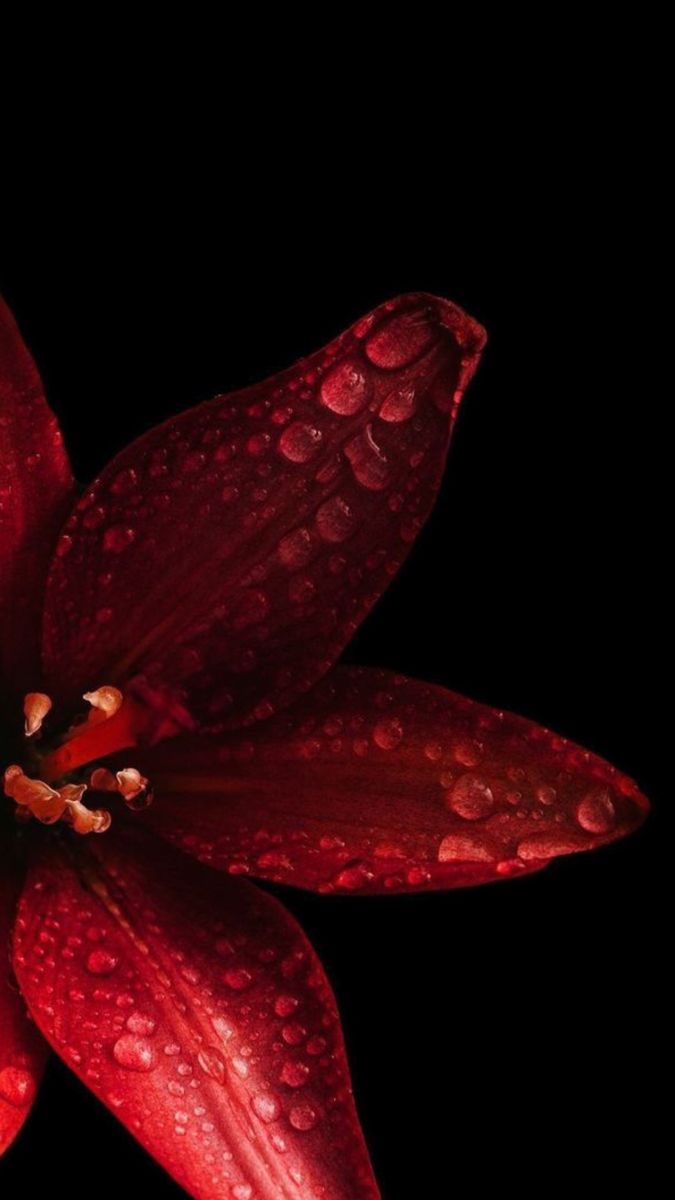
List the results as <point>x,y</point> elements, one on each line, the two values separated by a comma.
<point>499,1037</point>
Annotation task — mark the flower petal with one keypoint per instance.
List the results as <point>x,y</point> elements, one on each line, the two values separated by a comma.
<point>195,1008</point>
<point>379,783</point>
<point>35,489</point>
<point>231,552</point>
<point>22,1051</point>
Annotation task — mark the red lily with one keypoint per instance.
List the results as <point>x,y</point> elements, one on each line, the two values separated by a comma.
<point>199,595</point>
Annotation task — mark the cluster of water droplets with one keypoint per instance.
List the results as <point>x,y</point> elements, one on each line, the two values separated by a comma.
<point>398,786</point>
<point>237,1031</point>
<point>244,542</point>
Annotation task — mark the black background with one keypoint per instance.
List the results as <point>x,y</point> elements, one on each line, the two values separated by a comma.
<point>505,1036</point>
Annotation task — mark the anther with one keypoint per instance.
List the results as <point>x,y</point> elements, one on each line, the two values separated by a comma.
<point>105,702</point>
<point>129,783</point>
<point>49,805</point>
<point>36,705</point>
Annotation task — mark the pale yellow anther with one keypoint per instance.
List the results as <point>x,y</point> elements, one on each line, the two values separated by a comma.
<point>105,702</point>
<point>88,820</point>
<point>44,802</point>
<point>48,805</point>
<point>36,705</point>
<point>130,783</point>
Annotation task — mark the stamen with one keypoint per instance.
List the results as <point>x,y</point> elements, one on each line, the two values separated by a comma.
<point>88,820</point>
<point>49,805</point>
<point>39,798</point>
<point>131,785</point>
<point>105,702</point>
<point>36,705</point>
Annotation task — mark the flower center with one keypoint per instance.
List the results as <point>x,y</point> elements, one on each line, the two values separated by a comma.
<point>111,725</point>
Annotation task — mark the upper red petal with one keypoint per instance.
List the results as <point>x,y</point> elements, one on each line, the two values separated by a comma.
<point>35,489</point>
<point>195,1008</point>
<point>22,1049</point>
<point>232,551</point>
<point>374,782</point>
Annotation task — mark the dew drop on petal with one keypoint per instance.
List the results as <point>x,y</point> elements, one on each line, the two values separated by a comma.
<point>462,847</point>
<point>303,1117</point>
<point>117,538</point>
<point>212,1064</point>
<point>471,798</point>
<point>388,733</point>
<point>400,340</point>
<point>300,442</point>
<point>399,405</point>
<point>266,1106</point>
<point>345,389</point>
<point>335,520</point>
<point>141,1023</point>
<point>17,1086</point>
<point>294,1073</point>
<point>596,813</point>
<point>295,549</point>
<point>284,1005</point>
<point>102,962</point>
<point>133,1052</point>
<point>238,978</point>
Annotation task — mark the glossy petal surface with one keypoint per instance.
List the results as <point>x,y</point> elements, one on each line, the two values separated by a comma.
<point>230,553</point>
<point>22,1050</point>
<point>375,782</point>
<point>194,1007</point>
<point>35,487</point>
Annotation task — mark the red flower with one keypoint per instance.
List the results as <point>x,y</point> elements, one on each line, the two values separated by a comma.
<point>198,596</point>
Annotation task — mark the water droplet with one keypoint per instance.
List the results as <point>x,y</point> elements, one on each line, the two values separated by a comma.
<point>294,1033</point>
<point>388,733</point>
<point>399,405</point>
<point>463,847</point>
<point>369,464</point>
<point>354,877</point>
<point>294,1073</point>
<point>295,550</point>
<point>102,962</point>
<point>142,1024</point>
<point>549,845</point>
<point>316,1045</point>
<point>212,1064</point>
<point>345,389</point>
<point>94,517</point>
<point>124,481</point>
<point>400,340</point>
<point>596,813</point>
<point>303,1117</point>
<point>259,444</point>
<point>284,1005</point>
<point>118,537</point>
<point>133,1052</point>
<point>335,520</point>
<point>546,795</point>
<point>433,751</point>
<point>242,1191</point>
<point>266,1106</point>
<point>300,442</point>
<point>238,978</point>
<point>471,798</point>
<point>17,1086</point>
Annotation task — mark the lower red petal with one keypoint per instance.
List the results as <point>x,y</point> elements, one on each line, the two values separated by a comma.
<point>195,1008</point>
<point>379,783</point>
<point>22,1051</point>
